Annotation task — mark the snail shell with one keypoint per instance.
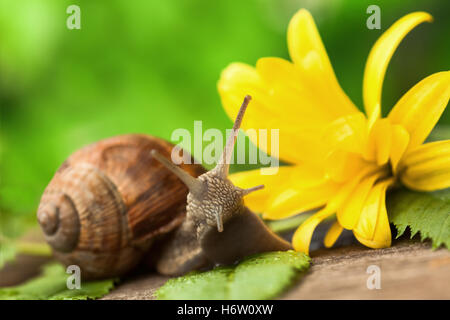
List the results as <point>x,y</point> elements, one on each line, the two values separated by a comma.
<point>109,201</point>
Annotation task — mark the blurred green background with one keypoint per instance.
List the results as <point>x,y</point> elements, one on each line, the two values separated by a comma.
<point>152,66</point>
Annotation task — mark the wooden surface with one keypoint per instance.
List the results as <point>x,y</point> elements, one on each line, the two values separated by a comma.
<point>409,270</point>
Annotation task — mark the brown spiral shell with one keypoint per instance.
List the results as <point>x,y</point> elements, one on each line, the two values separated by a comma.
<point>109,201</point>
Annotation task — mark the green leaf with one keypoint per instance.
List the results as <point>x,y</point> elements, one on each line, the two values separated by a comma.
<point>88,290</point>
<point>261,276</point>
<point>52,285</point>
<point>425,212</point>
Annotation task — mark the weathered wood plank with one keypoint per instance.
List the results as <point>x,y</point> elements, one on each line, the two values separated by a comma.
<point>409,270</point>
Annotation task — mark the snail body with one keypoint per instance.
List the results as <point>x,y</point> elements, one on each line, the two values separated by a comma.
<point>110,204</point>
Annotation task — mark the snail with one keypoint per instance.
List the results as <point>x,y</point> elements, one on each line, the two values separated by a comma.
<point>121,200</point>
<point>109,201</point>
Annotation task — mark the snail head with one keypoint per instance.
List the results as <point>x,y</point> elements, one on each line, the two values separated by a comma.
<point>212,195</point>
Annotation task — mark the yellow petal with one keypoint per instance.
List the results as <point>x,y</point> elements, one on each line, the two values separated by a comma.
<point>347,133</point>
<point>333,234</point>
<point>289,87</point>
<point>373,228</point>
<point>400,141</point>
<point>287,96</point>
<point>347,189</point>
<point>303,37</point>
<point>421,107</point>
<point>379,142</point>
<point>297,140</point>
<point>257,201</point>
<point>426,152</point>
<point>293,200</point>
<point>379,58</point>
<point>308,53</point>
<point>286,178</point>
<point>427,167</point>
<point>341,166</point>
<point>302,237</point>
<point>349,213</point>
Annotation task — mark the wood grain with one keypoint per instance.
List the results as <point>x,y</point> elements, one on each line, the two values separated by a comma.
<point>409,270</point>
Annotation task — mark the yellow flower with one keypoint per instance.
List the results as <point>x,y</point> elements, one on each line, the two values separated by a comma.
<point>343,160</point>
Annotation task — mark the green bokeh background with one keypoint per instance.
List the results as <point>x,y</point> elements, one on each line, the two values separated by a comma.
<point>152,66</point>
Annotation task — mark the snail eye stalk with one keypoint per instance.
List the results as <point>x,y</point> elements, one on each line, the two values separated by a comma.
<point>194,185</point>
<point>223,165</point>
